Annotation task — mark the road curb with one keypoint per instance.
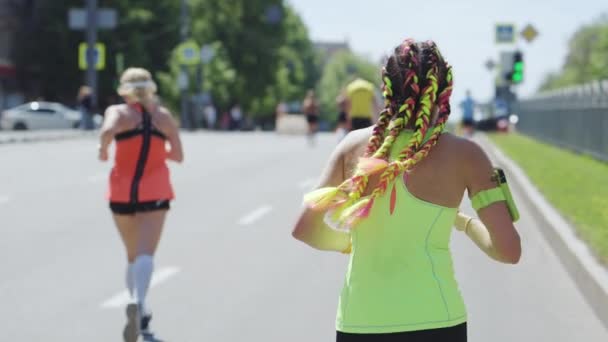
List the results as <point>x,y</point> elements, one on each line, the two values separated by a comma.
<point>31,137</point>
<point>589,275</point>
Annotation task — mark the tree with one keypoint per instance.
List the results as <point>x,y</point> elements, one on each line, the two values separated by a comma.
<point>298,68</point>
<point>46,49</point>
<point>587,57</point>
<point>342,68</point>
<point>250,33</point>
<point>263,55</point>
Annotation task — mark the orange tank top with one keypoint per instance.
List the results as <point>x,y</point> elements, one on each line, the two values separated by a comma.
<point>140,172</point>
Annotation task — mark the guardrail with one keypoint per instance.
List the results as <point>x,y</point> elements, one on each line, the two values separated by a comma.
<point>574,117</point>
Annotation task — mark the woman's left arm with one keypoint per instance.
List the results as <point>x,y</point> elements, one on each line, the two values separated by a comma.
<point>310,227</point>
<point>111,121</point>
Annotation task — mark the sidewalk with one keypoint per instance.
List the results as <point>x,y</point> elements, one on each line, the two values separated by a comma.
<point>590,276</point>
<point>11,137</point>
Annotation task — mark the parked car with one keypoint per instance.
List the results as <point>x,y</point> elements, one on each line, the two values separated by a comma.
<point>41,115</point>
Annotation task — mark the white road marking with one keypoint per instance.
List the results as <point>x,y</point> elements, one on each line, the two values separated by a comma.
<point>4,199</point>
<point>307,184</point>
<point>98,177</point>
<point>255,215</point>
<point>121,299</point>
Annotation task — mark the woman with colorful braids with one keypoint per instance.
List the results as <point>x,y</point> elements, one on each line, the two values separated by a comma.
<point>389,197</point>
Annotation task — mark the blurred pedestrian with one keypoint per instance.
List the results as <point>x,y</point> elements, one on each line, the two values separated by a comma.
<point>389,197</point>
<point>140,190</point>
<point>468,111</point>
<point>310,107</point>
<point>343,103</point>
<point>85,106</point>
<point>210,116</point>
<point>225,121</point>
<point>362,103</point>
<point>236,116</point>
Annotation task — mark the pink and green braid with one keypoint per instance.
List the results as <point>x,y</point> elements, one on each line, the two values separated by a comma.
<point>405,105</point>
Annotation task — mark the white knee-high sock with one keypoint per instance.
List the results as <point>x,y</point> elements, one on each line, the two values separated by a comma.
<point>130,280</point>
<point>142,271</point>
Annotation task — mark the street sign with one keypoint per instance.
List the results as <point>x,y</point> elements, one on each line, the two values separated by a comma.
<point>207,53</point>
<point>529,33</point>
<point>106,18</point>
<point>95,56</point>
<point>505,33</point>
<point>188,53</point>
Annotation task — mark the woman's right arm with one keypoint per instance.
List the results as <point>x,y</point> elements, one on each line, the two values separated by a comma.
<point>495,234</point>
<point>108,131</point>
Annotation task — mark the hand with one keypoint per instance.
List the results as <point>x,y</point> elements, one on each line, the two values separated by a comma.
<point>103,154</point>
<point>462,222</point>
<point>348,249</point>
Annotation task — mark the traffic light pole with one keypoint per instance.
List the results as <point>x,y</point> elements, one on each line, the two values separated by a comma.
<point>91,74</point>
<point>184,115</point>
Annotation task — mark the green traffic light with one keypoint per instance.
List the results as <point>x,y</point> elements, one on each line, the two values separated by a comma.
<point>518,66</point>
<point>518,72</point>
<point>518,77</point>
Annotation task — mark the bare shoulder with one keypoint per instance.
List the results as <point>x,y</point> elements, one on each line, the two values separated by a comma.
<point>165,111</point>
<point>116,109</point>
<point>352,147</point>
<point>462,148</point>
<point>116,115</point>
<point>354,141</point>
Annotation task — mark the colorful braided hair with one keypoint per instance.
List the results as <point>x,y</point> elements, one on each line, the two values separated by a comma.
<point>416,83</point>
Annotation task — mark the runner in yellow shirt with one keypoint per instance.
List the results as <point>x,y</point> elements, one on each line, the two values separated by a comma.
<point>363,103</point>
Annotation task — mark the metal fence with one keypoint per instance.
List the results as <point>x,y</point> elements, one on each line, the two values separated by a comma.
<point>575,118</point>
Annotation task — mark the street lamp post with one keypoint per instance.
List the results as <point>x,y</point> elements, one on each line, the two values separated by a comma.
<point>91,75</point>
<point>184,117</point>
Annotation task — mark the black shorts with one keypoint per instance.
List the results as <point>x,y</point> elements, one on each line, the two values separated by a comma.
<point>342,118</point>
<point>312,119</point>
<point>120,208</point>
<point>359,123</point>
<point>468,122</point>
<point>456,333</point>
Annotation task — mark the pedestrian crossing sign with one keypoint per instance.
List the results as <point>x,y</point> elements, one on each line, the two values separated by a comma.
<point>188,53</point>
<point>96,56</point>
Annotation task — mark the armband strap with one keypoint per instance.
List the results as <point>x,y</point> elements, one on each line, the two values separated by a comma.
<point>501,193</point>
<point>486,197</point>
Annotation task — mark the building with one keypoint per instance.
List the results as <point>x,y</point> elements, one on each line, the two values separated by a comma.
<point>9,24</point>
<point>328,49</point>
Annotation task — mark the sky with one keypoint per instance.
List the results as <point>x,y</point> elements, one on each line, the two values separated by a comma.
<point>463,30</point>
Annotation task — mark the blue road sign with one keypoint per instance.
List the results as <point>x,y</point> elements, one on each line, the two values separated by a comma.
<point>505,33</point>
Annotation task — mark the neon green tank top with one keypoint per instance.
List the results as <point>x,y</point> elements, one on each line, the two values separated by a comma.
<point>400,276</point>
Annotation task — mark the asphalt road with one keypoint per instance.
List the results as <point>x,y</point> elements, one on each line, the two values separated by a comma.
<point>227,268</point>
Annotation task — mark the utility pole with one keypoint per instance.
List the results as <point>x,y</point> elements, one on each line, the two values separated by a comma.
<point>183,79</point>
<point>91,78</point>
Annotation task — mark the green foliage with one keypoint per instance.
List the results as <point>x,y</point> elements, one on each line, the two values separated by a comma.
<point>342,68</point>
<point>46,49</point>
<point>569,181</point>
<point>258,63</point>
<point>587,58</point>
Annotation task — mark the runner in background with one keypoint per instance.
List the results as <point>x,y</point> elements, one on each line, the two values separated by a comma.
<point>343,103</point>
<point>362,103</point>
<point>140,190</point>
<point>468,111</point>
<point>310,107</point>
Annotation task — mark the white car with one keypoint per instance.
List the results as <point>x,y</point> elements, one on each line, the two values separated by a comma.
<point>39,115</point>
